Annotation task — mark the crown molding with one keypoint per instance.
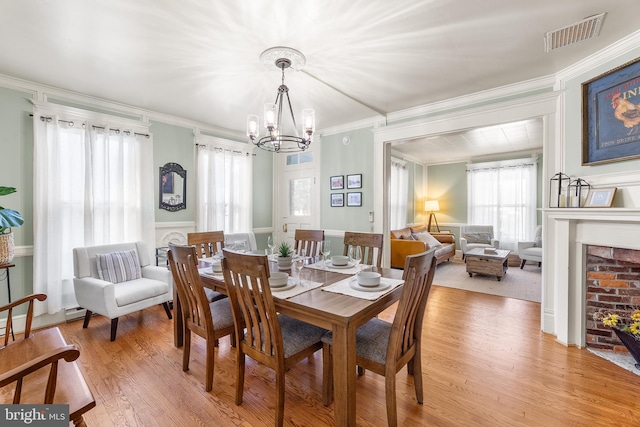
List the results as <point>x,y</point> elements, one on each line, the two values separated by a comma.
<point>516,89</point>
<point>484,115</point>
<point>609,53</point>
<point>372,122</point>
<point>42,93</point>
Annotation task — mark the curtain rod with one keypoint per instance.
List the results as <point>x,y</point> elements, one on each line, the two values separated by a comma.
<point>48,119</point>
<point>225,149</point>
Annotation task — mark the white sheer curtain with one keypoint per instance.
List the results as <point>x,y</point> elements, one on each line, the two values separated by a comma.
<point>503,194</point>
<point>92,186</point>
<point>398,194</point>
<point>224,175</point>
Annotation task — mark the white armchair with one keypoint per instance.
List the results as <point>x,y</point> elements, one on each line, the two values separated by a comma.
<point>477,236</point>
<point>531,251</point>
<point>114,280</point>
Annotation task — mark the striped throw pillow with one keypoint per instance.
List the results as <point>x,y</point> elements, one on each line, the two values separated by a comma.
<point>116,267</point>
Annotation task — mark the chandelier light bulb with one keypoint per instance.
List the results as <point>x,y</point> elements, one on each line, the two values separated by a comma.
<point>270,116</point>
<point>253,126</point>
<point>308,121</point>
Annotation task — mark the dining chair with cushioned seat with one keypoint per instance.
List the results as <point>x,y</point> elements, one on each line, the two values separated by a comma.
<point>384,347</point>
<point>368,242</point>
<point>308,242</point>
<point>274,340</point>
<point>207,244</point>
<point>209,320</point>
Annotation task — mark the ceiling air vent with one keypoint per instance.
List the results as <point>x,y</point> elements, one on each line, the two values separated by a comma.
<point>574,33</point>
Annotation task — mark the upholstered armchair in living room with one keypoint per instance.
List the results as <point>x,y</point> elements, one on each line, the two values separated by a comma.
<point>531,251</point>
<point>477,236</point>
<point>114,280</point>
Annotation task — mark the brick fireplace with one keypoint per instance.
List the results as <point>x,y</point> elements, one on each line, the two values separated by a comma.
<point>613,285</point>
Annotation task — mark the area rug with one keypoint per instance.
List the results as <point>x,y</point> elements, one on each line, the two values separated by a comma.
<point>522,284</point>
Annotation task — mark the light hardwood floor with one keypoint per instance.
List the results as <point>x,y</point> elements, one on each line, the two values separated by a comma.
<point>485,363</point>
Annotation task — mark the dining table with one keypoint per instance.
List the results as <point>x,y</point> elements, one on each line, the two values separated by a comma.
<point>332,310</point>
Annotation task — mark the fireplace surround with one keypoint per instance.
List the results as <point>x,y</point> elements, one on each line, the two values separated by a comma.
<point>567,234</point>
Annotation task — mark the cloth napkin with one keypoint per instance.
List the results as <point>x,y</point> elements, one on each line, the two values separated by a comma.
<point>344,287</point>
<point>296,290</point>
<point>350,271</point>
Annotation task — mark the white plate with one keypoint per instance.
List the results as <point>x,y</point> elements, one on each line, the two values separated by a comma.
<point>348,265</point>
<point>283,288</point>
<point>381,287</point>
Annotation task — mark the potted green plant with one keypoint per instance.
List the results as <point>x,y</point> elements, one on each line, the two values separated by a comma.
<point>8,218</point>
<point>285,253</point>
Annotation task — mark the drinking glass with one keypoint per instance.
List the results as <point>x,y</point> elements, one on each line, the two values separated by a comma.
<point>326,251</point>
<point>298,264</point>
<point>271,243</point>
<point>355,256</point>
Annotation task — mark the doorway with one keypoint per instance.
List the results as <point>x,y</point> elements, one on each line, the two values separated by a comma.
<point>298,199</point>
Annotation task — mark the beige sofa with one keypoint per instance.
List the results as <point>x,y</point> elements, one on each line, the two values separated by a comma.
<point>403,243</point>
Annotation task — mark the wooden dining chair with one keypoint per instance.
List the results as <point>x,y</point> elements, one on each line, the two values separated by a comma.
<point>274,340</point>
<point>384,347</point>
<point>308,242</point>
<point>207,243</point>
<point>210,320</point>
<point>369,244</point>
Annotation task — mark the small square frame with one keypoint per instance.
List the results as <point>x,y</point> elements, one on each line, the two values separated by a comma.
<point>337,182</point>
<point>337,200</point>
<point>600,198</point>
<point>354,181</point>
<point>354,199</point>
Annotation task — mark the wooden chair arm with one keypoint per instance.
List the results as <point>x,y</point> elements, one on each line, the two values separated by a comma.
<point>68,352</point>
<point>9,307</point>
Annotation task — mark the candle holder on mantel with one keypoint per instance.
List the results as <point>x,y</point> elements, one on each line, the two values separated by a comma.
<point>558,187</point>
<point>578,191</point>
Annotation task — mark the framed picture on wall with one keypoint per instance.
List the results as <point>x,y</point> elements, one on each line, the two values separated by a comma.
<point>354,181</point>
<point>610,115</point>
<point>337,200</point>
<point>337,182</point>
<point>354,199</point>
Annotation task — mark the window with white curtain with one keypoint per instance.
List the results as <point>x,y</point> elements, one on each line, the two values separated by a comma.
<point>224,174</point>
<point>503,194</point>
<point>398,194</point>
<point>93,186</point>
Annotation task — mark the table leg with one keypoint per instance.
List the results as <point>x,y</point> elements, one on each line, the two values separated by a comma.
<point>178,327</point>
<point>344,375</point>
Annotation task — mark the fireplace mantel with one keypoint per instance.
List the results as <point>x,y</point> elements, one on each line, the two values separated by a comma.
<point>567,232</point>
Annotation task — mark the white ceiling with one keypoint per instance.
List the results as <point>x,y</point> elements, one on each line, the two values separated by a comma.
<point>199,59</point>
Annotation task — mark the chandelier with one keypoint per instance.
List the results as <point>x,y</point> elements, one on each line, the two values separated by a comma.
<point>276,139</point>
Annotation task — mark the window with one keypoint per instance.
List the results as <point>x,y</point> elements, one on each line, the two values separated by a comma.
<point>223,186</point>
<point>300,197</point>
<point>93,186</point>
<point>503,194</point>
<point>398,194</point>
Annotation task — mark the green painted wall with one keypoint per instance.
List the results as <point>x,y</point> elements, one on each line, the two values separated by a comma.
<point>174,144</point>
<point>16,146</point>
<point>339,159</point>
<point>262,193</point>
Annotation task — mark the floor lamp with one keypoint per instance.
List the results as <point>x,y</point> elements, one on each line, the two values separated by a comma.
<point>432,206</point>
